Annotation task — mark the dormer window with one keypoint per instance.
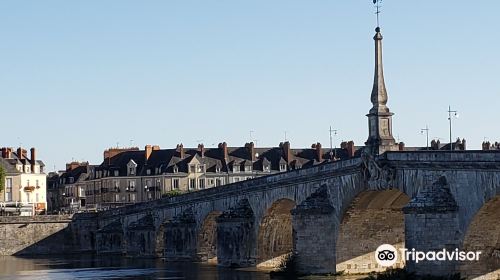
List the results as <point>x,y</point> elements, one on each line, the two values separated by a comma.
<point>236,168</point>
<point>176,169</point>
<point>282,167</point>
<point>192,168</point>
<point>71,180</point>
<point>248,168</point>
<point>131,167</point>
<point>148,172</point>
<point>217,169</point>
<point>117,173</point>
<point>201,168</point>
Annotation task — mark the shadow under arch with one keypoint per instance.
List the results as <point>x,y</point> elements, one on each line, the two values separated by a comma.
<point>207,238</point>
<point>483,234</point>
<point>275,237</point>
<point>373,218</point>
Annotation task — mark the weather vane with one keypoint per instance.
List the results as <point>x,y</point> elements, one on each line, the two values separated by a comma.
<point>377,6</point>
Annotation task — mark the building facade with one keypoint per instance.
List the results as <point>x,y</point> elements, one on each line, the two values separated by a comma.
<point>25,182</point>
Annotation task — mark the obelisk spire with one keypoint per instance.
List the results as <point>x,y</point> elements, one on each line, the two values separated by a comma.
<point>380,137</point>
<point>379,92</point>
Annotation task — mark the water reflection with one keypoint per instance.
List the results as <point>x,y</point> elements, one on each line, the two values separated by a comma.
<point>115,267</point>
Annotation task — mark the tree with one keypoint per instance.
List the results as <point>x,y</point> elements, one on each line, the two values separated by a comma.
<point>2,179</point>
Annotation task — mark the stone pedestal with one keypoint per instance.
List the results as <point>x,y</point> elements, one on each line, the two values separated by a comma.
<point>180,237</point>
<point>432,224</point>
<point>315,234</point>
<point>236,236</point>
<point>141,237</point>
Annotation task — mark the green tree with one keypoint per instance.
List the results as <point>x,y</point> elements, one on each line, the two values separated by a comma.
<point>2,179</point>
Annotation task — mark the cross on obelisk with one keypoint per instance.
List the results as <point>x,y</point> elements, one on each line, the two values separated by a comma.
<point>378,6</point>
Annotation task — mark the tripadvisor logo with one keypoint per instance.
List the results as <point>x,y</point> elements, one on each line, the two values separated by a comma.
<point>387,255</point>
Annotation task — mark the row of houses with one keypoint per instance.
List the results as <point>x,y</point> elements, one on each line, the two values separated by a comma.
<point>131,175</point>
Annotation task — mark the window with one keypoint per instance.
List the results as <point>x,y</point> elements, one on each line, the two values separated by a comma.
<point>201,168</point>
<point>217,169</point>
<point>117,198</point>
<point>175,184</point>
<point>236,179</point>
<point>148,172</point>
<point>211,182</point>
<point>192,168</point>
<point>37,183</point>
<point>248,168</point>
<point>267,168</point>
<point>117,183</point>
<point>282,167</point>
<point>117,173</point>
<point>202,183</point>
<point>176,169</point>
<point>8,189</point>
<point>132,197</point>
<point>192,184</point>
<point>236,168</point>
<point>131,170</point>
<point>218,182</point>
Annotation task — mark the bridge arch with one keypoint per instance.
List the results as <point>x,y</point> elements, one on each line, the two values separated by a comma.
<point>274,238</point>
<point>483,234</point>
<point>207,238</point>
<point>371,219</point>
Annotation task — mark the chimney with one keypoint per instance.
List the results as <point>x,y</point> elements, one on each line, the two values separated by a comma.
<point>486,146</point>
<point>148,150</point>
<point>156,148</point>
<point>201,149</point>
<point>180,150</point>
<point>464,145</point>
<point>33,154</point>
<point>223,150</point>
<point>343,145</point>
<point>4,152</point>
<point>287,153</point>
<point>20,153</point>
<point>319,152</point>
<point>251,150</point>
<point>33,159</point>
<point>351,150</point>
<point>72,165</point>
<point>401,146</point>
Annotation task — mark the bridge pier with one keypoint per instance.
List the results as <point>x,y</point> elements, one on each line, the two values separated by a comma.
<point>432,224</point>
<point>236,236</point>
<point>141,239</point>
<point>110,239</point>
<point>180,237</point>
<point>315,228</point>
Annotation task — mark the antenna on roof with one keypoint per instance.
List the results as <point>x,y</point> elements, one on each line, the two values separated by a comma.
<point>378,11</point>
<point>285,135</point>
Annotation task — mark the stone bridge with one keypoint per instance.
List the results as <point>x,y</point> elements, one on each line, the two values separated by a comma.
<point>331,217</point>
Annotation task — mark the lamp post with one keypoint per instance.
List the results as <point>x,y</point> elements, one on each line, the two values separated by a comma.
<point>455,113</point>
<point>146,189</point>
<point>333,152</point>
<point>426,129</point>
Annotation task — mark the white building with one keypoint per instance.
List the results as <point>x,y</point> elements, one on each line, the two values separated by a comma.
<point>25,181</point>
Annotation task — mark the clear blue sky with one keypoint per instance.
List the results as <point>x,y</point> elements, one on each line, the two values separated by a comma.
<point>77,77</point>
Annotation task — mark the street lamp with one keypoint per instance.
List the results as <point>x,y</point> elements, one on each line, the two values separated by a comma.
<point>455,114</point>
<point>426,129</point>
<point>333,152</point>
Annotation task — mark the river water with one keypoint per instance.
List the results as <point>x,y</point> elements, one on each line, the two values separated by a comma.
<point>115,267</point>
